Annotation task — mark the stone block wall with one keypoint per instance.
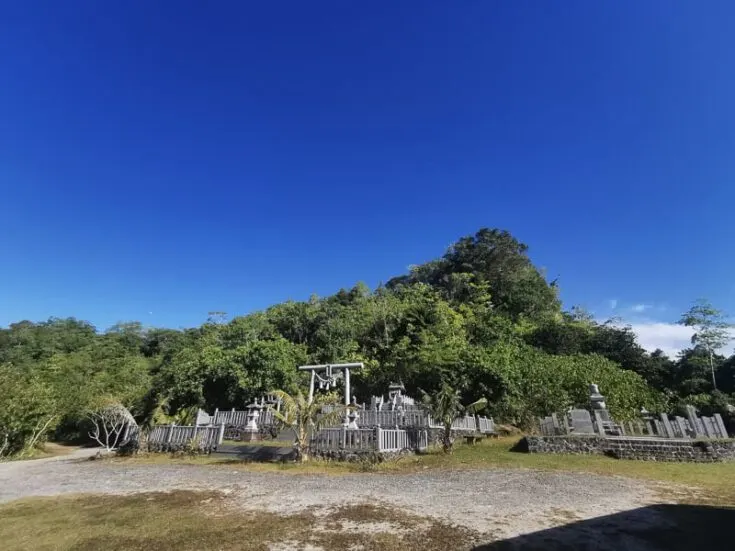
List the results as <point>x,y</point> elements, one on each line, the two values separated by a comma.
<point>646,449</point>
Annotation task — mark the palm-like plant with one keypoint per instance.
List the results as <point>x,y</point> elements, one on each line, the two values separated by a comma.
<point>445,407</point>
<point>303,416</point>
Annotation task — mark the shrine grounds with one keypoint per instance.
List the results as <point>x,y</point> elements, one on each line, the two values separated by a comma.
<point>483,497</point>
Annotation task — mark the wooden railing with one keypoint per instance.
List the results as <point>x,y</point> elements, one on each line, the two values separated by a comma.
<point>175,437</point>
<point>239,418</point>
<point>412,418</point>
<point>467,423</point>
<point>344,439</point>
<point>376,439</point>
<point>486,425</point>
<point>392,440</point>
<point>372,418</point>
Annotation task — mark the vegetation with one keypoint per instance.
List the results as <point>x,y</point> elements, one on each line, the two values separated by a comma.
<point>445,407</point>
<point>482,320</point>
<point>303,416</point>
<point>710,330</point>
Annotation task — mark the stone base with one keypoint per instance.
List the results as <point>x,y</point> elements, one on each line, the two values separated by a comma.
<point>250,436</point>
<point>645,449</point>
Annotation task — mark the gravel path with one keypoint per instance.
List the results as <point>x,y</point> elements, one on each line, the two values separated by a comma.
<point>507,502</point>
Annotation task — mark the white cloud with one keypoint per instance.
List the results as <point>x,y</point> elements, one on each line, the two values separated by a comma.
<point>613,302</point>
<point>669,337</point>
<point>640,307</point>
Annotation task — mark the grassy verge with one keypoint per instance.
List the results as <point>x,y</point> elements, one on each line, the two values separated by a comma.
<point>47,449</point>
<point>185,521</point>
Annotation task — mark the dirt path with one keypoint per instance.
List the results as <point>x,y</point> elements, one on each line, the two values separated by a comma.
<point>504,502</point>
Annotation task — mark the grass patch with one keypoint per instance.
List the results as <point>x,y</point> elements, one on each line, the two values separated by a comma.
<point>184,521</point>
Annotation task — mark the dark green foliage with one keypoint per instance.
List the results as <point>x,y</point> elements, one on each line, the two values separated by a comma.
<point>492,261</point>
<point>27,410</point>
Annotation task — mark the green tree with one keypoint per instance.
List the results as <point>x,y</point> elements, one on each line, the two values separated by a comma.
<point>27,412</point>
<point>446,406</point>
<point>710,330</point>
<point>499,266</point>
<point>304,417</point>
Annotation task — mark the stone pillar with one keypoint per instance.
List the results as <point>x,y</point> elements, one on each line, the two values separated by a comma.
<point>311,386</point>
<point>598,422</point>
<point>667,426</point>
<point>720,425</point>
<point>694,422</point>
<point>347,395</point>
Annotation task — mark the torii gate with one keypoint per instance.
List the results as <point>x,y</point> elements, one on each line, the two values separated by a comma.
<point>331,374</point>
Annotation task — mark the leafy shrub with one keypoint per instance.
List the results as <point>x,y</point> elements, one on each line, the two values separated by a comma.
<point>27,412</point>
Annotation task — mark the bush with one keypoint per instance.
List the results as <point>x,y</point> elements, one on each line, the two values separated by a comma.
<point>523,384</point>
<point>27,412</point>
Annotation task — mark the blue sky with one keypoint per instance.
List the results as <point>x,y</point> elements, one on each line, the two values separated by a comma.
<point>159,160</point>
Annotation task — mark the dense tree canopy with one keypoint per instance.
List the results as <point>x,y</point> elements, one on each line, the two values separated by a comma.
<point>481,319</point>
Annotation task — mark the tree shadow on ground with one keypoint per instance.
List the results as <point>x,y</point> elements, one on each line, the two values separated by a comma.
<point>653,528</point>
<point>257,453</point>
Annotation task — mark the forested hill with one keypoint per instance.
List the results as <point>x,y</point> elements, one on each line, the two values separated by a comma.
<point>482,318</point>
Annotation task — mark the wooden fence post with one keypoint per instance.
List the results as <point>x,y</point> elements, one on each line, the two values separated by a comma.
<point>170,434</point>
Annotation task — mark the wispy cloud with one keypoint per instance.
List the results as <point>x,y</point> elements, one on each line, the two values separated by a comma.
<point>638,308</point>
<point>613,303</point>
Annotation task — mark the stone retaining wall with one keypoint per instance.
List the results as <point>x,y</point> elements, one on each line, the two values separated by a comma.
<point>352,456</point>
<point>646,449</point>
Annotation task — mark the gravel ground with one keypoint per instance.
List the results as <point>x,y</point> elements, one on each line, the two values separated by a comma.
<point>503,502</point>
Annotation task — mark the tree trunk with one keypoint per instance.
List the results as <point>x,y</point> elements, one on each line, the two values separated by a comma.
<point>302,446</point>
<point>447,439</point>
<point>712,368</point>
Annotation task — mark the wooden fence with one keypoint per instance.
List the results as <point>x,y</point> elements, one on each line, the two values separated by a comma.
<point>176,437</point>
<point>467,423</point>
<point>417,419</point>
<point>411,418</point>
<point>239,418</point>
<point>486,425</point>
<point>345,439</point>
<point>376,439</point>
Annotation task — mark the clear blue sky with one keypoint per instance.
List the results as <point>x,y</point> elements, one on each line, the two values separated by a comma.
<point>159,160</point>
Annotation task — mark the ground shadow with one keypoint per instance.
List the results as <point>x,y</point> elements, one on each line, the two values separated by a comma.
<point>252,452</point>
<point>653,528</point>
